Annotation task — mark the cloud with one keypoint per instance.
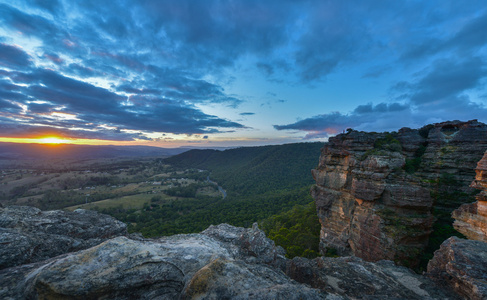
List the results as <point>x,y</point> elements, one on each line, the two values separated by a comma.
<point>247,114</point>
<point>157,66</point>
<point>446,79</point>
<point>437,95</point>
<point>382,115</point>
<point>13,57</point>
<point>18,130</point>
<point>32,26</point>
<point>470,38</point>
<point>95,106</point>
<point>52,6</point>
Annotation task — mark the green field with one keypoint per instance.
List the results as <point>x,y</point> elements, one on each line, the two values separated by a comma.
<point>127,202</point>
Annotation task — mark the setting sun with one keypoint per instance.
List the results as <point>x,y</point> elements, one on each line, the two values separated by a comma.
<point>52,140</point>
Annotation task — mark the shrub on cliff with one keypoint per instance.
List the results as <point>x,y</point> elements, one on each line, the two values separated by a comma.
<point>296,230</point>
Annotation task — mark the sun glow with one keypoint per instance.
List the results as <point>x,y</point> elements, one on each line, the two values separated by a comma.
<point>52,140</point>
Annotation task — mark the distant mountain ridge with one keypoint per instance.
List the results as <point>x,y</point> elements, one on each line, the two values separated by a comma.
<point>69,151</point>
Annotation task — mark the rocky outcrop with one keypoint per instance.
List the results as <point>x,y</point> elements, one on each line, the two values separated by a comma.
<point>375,191</point>
<point>471,219</point>
<point>222,262</point>
<point>353,277</point>
<point>28,234</point>
<point>461,265</point>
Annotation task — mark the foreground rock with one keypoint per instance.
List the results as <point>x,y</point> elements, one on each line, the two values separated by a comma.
<point>375,191</point>
<point>28,234</point>
<point>461,265</point>
<point>220,263</point>
<point>353,277</point>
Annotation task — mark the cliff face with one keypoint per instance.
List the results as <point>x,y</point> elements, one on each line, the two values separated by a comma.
<point>471,218</point>
<point>222,262</point>
<point>375,191</point>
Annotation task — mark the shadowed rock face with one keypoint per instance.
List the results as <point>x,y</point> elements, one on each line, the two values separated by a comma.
<point>28,234</point>
<point>375,191</point>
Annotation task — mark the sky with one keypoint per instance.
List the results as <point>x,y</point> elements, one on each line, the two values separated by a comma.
<point>236,73</point>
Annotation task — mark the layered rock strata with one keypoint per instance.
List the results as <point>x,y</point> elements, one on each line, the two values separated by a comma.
<point>471,219</point>
<point>28,234</point>
<point>375,191</point>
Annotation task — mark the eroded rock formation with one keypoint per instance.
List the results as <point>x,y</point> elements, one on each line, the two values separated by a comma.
<point>28,234</point>
<point>375,191</point>
<point>471,219</point>
<point>461,265</point>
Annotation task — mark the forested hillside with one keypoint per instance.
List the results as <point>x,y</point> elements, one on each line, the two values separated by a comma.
<point>250,171</point>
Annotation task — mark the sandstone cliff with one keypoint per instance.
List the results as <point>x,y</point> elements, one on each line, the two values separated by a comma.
<point>375,192</point>
<point>471,218</point>
<point>222,262</point>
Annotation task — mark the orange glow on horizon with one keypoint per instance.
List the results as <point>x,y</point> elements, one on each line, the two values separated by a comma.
<point>52,140</point>
<point>55,141</point>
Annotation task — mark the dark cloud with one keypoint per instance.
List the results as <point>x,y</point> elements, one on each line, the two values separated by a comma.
<point>383,115</point>
<point>97,106</point>
<point>471,37</point>
<point>13,57</point>
<point>32,26</point>
<point>446,80</point>
<point>247,114</point>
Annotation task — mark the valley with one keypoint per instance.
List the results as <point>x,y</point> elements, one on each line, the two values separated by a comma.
<point>185,193</point>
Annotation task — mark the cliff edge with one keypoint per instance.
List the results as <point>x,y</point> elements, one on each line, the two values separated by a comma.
<point>375,192</point>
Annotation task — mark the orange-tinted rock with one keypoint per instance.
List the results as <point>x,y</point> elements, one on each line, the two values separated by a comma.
<point>461,265</point>
<point>471,219</point>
